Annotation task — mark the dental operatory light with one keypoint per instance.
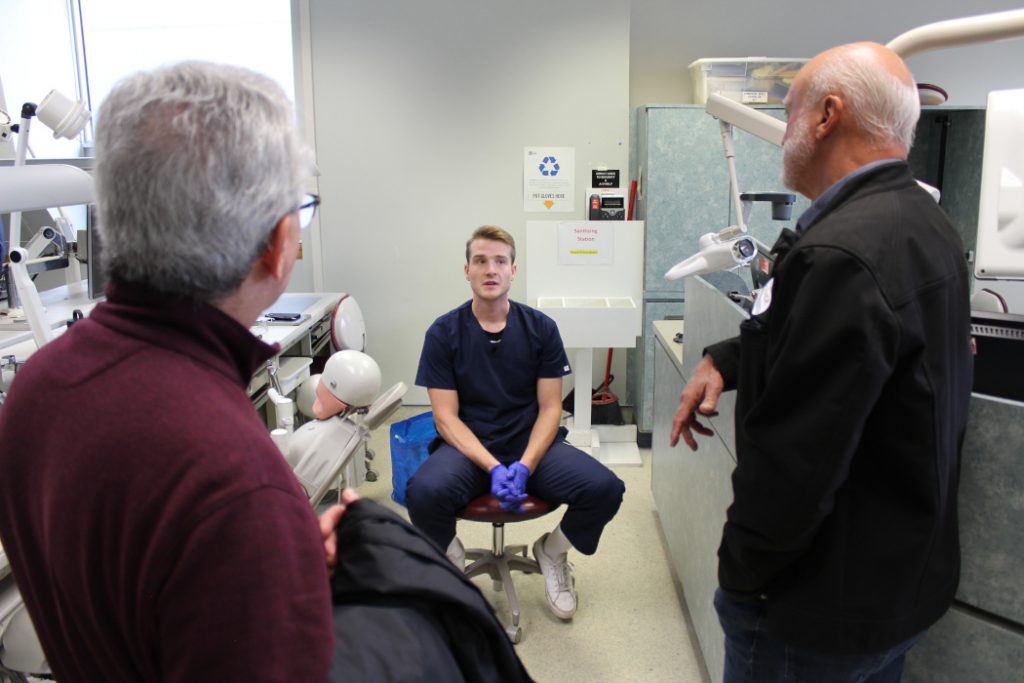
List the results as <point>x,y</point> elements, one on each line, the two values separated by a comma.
<point>721,250</point>
<point>46,186</point>
<point>64,116</point>
<point>724,250</point>
<point>732,247</point>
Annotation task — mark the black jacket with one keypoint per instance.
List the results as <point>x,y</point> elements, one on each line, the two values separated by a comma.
<point>853,390</point>
<point>404,613</point>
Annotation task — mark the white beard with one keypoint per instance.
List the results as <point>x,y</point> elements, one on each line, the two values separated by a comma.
<point>797,151</point>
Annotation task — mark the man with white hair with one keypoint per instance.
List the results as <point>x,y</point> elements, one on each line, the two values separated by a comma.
<point>153,528</point>
<point>853,377</point>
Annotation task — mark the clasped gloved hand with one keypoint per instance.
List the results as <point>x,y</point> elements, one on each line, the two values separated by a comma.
<point>499,482</point>
<point>518,473</point>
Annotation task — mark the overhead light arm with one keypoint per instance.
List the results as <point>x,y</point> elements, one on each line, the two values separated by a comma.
<point>43,186</point>
<point>729,114</point>
<point>954,32</point>
<point>730,247</point>
<point>24,188</point>
<point>726,248</point>
<point>755,122</point>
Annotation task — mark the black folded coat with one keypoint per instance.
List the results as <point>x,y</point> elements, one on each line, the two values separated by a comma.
<point>403,612</point>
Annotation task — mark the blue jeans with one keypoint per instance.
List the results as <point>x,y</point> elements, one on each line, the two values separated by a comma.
<point>751,658</point>
<point>447,480</point>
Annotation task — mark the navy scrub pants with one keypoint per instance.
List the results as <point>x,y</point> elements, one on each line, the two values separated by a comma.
<point>448,480</point>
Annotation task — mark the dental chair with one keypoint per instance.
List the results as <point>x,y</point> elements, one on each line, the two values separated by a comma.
<point>501,560</point>
<point>343,406</point>
<point>345,409</point>
<point>21,654</point>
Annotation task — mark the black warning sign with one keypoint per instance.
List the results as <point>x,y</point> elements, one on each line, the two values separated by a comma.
<point>608,178</point>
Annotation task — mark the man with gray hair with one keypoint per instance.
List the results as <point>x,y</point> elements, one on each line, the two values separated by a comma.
<point>153,528</point>
<point>853,377</point>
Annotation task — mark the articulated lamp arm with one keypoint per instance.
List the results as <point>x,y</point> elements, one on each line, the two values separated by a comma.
<point>983,28</point>
<point>730,247</point>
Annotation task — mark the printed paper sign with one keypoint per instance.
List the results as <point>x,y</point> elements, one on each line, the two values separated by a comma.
<point>548,174</point>
<point>586,243</point>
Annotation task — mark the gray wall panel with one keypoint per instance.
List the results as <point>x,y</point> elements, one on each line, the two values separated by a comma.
<point>961,648</point>
<point>992,509</point>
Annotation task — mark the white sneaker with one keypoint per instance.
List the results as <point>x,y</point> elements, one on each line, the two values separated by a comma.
<point>457,554</point>
<point>559,581</point>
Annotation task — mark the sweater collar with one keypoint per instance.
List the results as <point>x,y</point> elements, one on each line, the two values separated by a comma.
<point>194,328</point>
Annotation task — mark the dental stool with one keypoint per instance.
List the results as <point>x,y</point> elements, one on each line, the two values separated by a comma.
<point>501,560</point>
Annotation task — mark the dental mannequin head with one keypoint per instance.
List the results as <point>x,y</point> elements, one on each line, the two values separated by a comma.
<point>350,380</point>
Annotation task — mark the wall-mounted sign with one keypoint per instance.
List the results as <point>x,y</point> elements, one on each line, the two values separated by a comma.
<point>548,175</point>
<point>585,243</point>
<point>607,178</point>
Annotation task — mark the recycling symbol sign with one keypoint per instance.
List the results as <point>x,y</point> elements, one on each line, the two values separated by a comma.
<point>548,174</point>
<point>549,167</point>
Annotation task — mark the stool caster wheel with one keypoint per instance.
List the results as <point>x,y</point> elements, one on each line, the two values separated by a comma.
<point>371,475</point>
<point>370,454</point>
<point>515,633</point>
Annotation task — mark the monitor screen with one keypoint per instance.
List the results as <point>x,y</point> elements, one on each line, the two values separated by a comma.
<point>999,341</point>
<point>1000,252</point>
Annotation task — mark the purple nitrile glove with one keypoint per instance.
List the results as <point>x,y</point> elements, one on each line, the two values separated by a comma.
<point>499,482</point>
<point>518,473</point>
<point>503,489</point>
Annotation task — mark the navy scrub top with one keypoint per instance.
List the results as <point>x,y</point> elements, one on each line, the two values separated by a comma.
<point>496,382</point>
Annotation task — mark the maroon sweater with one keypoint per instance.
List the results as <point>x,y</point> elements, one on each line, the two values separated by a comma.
<point>153,528</point>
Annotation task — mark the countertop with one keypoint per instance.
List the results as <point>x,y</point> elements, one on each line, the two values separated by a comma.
<point>666,331</point>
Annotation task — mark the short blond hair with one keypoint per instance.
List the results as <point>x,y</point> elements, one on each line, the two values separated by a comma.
<point>492,232</point>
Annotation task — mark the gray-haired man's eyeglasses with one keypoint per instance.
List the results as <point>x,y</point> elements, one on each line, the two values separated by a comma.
<point>307,209</point>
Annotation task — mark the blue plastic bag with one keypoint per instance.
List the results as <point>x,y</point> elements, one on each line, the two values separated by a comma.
<point>409,441</point>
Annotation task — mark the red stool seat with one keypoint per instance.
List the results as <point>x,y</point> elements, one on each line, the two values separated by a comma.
<point>500,561</point>
<point>487,508</point>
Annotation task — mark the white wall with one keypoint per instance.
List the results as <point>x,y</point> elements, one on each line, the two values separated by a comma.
<point>667,35</point>
<point>422,111</point>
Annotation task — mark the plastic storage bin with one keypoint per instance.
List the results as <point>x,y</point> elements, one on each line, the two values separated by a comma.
<point>751,80</point>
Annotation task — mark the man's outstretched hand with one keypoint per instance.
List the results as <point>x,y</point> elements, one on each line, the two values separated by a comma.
<point>699,397</point>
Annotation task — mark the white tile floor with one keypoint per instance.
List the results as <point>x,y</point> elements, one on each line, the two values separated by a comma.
<point>631,624</point>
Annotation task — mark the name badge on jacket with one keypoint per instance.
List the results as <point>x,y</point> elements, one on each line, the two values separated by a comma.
<point>764,298</point>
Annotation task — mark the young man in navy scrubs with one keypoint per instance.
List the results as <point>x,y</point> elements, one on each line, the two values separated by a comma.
<point>493,369</point>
